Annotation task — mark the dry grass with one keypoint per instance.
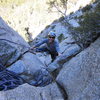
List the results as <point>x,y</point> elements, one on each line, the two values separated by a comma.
<point>10,2</point>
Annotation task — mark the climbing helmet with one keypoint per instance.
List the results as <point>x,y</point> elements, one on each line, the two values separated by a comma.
<point>52,34</point>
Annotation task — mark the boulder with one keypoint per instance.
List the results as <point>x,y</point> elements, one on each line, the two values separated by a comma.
<point>52,92</point>
<point>32,70</point>
<point>12,45</point>
<point>29,64</point>
<point>32,63</point>
<point>18,67</point>
<point>80,77</point>
<point>67,43</point>
<point>27,92</point>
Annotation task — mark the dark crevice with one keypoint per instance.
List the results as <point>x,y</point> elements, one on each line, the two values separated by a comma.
<point>63,91</point>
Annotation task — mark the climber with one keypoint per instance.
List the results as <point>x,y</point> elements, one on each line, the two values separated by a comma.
<point>52,46</point>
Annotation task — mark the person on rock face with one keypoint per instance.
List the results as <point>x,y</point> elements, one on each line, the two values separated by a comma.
<point>52,46</point>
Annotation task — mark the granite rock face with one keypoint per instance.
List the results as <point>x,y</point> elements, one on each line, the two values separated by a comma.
<point>12,45</point>
<point>27,92</point>
<point>80,77</point>
<point>66,56</point>
<point>13,52</point>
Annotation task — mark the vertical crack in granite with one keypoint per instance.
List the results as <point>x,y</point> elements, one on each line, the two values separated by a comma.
<point>64,94</point>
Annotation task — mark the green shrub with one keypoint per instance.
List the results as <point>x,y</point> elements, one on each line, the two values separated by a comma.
<point>52,27</point>
<point>60,37</point>
<point>89,28</point>
<point>87,8</point>
<point>47,26</point>
<point>61,19</point>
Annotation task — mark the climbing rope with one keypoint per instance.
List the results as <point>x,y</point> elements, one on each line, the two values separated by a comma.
<point>9,79</point>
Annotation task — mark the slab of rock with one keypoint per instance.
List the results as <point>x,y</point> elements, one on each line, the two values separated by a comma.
<point>80,77</point>
<point>32,63</point>
<point>18,67</point>
<point>27,92</point>
<point>12,45</point>
<point>28,64</point>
